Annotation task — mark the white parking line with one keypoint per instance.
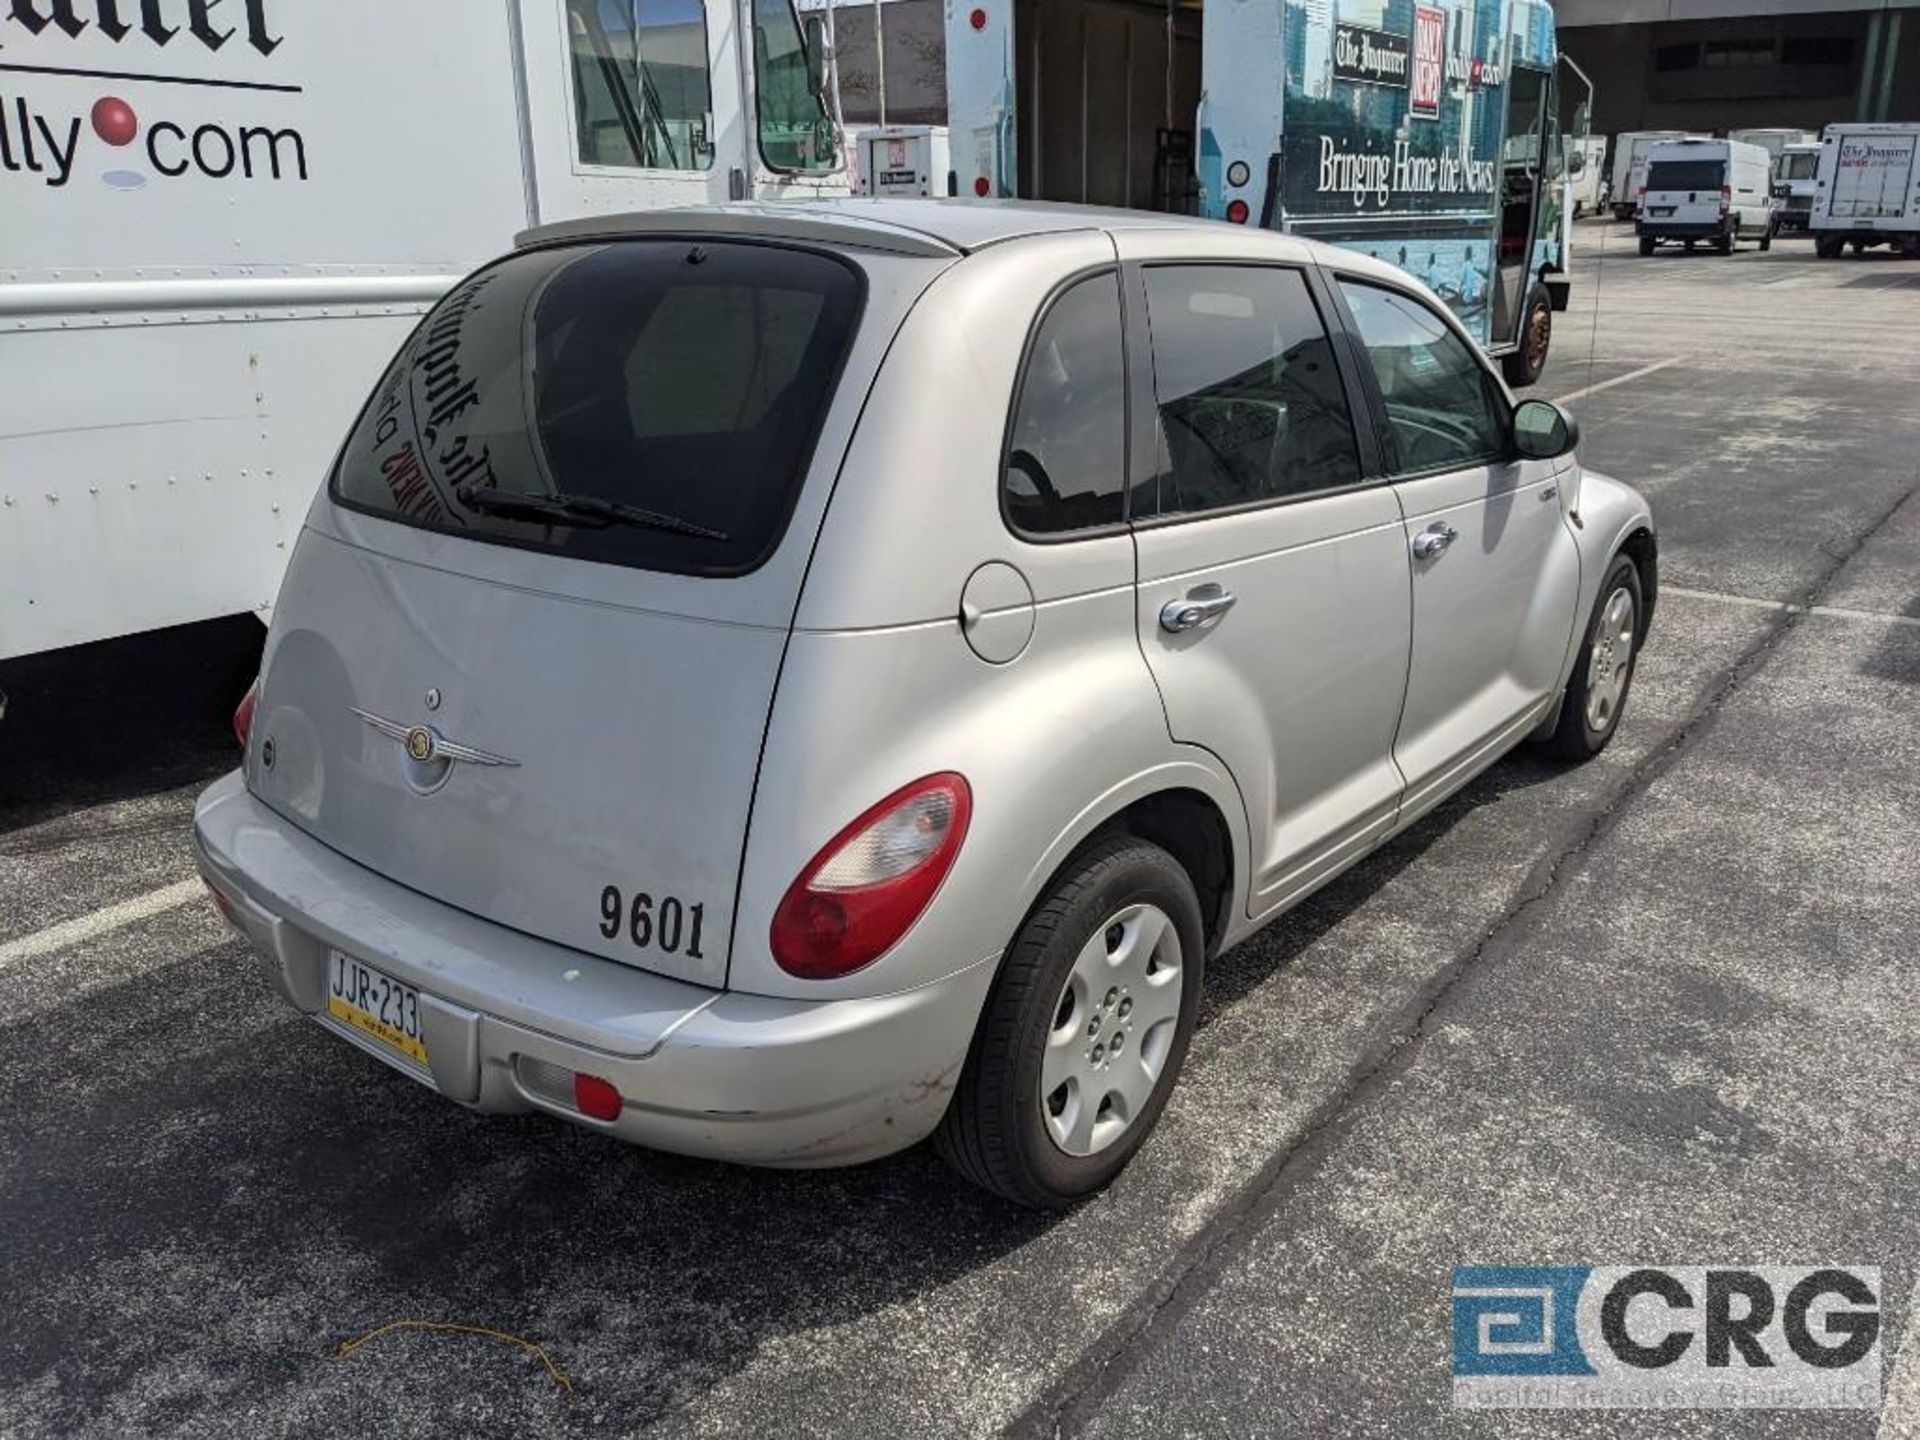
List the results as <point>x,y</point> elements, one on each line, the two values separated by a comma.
<point>1900,1416</point>
<point>1830,612</point>
<point>1585,391</point>
<point>100,922</point>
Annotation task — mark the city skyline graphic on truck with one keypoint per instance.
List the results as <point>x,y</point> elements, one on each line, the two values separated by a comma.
<point>1394,135</point>
<point>127,85</point>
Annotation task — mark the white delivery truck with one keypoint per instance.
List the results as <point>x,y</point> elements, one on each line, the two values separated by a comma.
<point>217,223</point>
<point>1867,189</point>
<point>1630,166</point>
<point>1586,173</point>
<point>1774,139</point>
<point>1794,173</point>
<point>1717,190</point>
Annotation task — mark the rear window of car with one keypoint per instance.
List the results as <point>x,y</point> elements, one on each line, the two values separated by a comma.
<point>650,403</point>
<point>1686,174</point>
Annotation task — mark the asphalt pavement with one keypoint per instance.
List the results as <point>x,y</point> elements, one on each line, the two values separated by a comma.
<point>1658,1008</point>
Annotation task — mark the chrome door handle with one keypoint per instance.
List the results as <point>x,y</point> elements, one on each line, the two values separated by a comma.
<point>1204,605</point>
<point>1433,540</point>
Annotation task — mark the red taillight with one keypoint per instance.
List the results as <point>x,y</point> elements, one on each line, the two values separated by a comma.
<point>982,186</point>
<point>243,716</point>
<point>978,19</point>
<point>595,1098</point>
<point>1237,211</point>
<point>1642,191</point>
<point>1726,199</point>
<point>869,884</point>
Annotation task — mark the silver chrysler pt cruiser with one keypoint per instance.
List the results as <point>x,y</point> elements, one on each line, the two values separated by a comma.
<point>780,683</point>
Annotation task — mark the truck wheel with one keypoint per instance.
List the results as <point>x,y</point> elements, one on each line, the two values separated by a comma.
<point>1766,236</point>
<point>1646,244</point>
<point>1827,247</point>
<point>1085,1031</point>
<point>1524,365</point>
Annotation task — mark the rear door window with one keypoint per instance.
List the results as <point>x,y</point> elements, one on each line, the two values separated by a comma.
<point>1251,404</point>
<point>1686,174</point>
<point>649,403</point>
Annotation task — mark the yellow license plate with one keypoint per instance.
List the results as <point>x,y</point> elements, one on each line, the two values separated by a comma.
<point>375,1005</point>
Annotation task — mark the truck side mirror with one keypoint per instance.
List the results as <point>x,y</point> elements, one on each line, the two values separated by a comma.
<point>1542,430</point>
<point>819,53</point>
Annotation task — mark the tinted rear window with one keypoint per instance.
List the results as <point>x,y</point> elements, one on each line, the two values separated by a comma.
<point>1686,174</point>
<point>686,380</point>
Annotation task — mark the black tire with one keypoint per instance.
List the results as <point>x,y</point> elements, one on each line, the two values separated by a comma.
<point>1574,738</point>
<point>1766,236</point>
<point>1523,366</point>
<point>1647,243</point>
<point>1827,247</point>
<point>1730,241</point>
<point>995,1132</point>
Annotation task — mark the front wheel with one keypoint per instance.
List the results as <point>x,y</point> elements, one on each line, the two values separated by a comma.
<point>1766,236</point>
<point>1828,247</point>
<point>1603,671</point>
<point>1085,1031</point>
<point>1523,366</point>
<point>1646,244</point>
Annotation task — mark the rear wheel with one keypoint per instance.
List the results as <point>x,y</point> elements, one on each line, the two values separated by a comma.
<point>1603,671</point>
<point>1084,1034</point>
<point>1827,247</point>
<point>1730,241</point>
<point>1766,235</point>
<point>1524,365</point>
<point>1646,244</point>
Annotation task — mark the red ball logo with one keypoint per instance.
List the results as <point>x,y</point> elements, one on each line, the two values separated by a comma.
<point>978,19</point>
<point>114,120</point>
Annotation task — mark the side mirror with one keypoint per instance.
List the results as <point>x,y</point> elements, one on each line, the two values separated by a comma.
<point>819,53</point>
<point>1543,431</point>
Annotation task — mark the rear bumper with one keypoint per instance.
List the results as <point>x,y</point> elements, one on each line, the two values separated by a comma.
<point>702,1072</point>
<point>1681,229</point>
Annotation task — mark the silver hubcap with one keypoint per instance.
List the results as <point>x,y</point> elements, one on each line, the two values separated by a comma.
<point>1611,662</point>
<point>1113,1029</point>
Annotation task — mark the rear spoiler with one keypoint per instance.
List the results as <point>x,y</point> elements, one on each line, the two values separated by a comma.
<point>767,222</point>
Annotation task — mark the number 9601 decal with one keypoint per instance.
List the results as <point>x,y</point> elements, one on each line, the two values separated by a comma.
<point>668,926</point>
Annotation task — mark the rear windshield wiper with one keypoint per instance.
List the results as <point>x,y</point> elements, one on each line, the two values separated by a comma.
<point>588,510</point>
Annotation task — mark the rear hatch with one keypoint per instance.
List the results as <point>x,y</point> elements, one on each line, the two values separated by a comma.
<point>524,654</point>
<point>1684,191</point>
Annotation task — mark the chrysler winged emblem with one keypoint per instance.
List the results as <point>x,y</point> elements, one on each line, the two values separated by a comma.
<point>424,744</point>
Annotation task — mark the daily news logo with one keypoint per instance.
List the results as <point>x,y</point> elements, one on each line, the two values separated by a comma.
<point>1670,1336</point>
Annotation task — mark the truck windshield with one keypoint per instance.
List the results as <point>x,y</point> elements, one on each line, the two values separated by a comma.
<point>1798,167</point>
<point>646,402</point>
<point>796,131</point>
<point>1686,174</point>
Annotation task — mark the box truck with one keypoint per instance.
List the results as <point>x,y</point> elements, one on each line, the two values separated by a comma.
<point>1866,191</point>
<point>216,224</point>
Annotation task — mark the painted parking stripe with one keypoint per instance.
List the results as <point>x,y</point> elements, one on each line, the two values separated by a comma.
<point>100,922</point>
<point>1642,372</point>
<point>1900,1419</point>
<point>1752,602</point>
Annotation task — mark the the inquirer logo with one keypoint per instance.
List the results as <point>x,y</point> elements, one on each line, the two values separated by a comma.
<point>1666,1336</point>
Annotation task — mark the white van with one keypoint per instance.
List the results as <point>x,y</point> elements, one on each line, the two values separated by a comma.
<point>219,223</point>
<point>1698,190</point>
<point>1867,189</point>
<point>1630,166</point>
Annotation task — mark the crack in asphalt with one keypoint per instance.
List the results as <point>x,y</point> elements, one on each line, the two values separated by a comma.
<point>1066,1405</point>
